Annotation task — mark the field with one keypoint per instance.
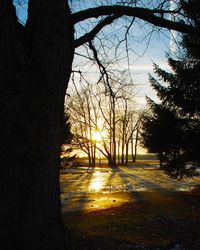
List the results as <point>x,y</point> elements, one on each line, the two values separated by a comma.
<point>135,207</point>
<point>161,221</point>
<point>146,157</point>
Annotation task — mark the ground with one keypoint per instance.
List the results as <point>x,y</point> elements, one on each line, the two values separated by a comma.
<point>130,208</point>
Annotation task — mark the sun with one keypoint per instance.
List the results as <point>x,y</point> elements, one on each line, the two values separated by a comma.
<point>96,136</point>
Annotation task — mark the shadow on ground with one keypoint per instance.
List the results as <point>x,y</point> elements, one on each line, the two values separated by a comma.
<point>135,207</point>
<point>149,220</point>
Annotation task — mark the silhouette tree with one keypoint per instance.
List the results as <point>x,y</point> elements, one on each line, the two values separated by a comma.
<point>161,132</point>
<point>179,96</point>
<point>91,110</point>
<point>35,67</point>
<point>84,118</point>
<point>66,148</point>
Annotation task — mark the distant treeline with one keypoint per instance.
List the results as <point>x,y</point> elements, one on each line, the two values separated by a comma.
<point>149,157</point>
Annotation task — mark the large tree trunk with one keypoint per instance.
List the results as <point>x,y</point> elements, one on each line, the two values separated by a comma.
<point>35,65</point>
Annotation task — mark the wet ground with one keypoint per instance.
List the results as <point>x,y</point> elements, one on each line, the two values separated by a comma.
<point>85,188</point>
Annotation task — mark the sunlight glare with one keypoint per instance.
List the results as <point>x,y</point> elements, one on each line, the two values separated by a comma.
<point>97,181</point>
<point>96,136</point>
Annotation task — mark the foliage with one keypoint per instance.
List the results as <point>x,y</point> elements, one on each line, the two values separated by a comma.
<point>161,132</point>
<point>172,129</point>
<point>35,67</point>
<point>178,168</point>
<point>66,148</point>
<point>67,134</point>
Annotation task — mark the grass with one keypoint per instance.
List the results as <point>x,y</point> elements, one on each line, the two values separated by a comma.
<point>161,221</point>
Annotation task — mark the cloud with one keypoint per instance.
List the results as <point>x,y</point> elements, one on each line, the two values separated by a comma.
<point>173,44</point>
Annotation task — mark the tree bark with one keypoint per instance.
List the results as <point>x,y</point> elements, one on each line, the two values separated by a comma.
<point>132,150</point>
<point>127,148</point>
<point>123,144</point>
<point>136,143</point>
<point>113,132</point>
<point>35,65</point>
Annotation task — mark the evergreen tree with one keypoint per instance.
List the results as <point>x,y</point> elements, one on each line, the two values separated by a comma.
<point>161,132</point>
<point>179,93</point>
<point>66,148</point>
<point>35,67</point>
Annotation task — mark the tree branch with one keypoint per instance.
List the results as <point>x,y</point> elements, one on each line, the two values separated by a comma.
<point>148,15</point>
<point>90,35</point>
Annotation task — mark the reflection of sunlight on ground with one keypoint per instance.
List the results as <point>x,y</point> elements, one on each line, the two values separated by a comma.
<point>97,182</point>
<point>86,188</point>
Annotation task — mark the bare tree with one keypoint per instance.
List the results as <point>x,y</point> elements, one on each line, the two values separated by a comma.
<point>128,123</point>
<point>84,120</point>
<point>35,64</point>
<point>113,108</point>
<point>135,137</point>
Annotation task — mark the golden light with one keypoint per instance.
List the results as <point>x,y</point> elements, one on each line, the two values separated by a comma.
<point>96,136</point>
<point>97,181</point>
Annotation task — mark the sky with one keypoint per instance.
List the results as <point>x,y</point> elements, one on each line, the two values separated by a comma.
<point>146,46</point>
<point>143,52</point>
<point>21,10</point>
